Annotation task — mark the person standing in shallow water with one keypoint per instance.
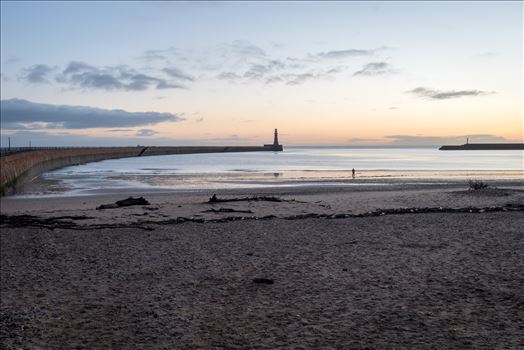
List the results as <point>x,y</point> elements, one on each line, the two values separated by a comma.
<point>353,172</point>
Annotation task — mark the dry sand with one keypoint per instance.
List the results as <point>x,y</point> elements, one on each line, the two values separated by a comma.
<point>129,278</point>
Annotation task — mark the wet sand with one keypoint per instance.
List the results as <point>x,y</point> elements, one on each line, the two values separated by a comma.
<point>134,278</point>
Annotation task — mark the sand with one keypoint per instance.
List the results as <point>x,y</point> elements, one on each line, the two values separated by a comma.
<point>134,278</point>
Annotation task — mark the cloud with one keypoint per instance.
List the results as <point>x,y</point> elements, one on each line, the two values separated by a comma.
<point>119,130</point>
<point>199,120</point>
<point>146,133</point>
<point>356,140</point>
<point>345,53</point>
<point>444,95</point>
<point>296,79</point>
<point>241,61</point>
<point>252,64</point>
<point>37,73</point>
<point>230,76</point>
<point>159,55</point>
<point>259,71</point>
<point>337,54</point>
<point>177,74</point>
<point>85,76</point>
<point>375,68</point>
<point>244,48</point>
<point>22,114</point>
<point>273,79</point>
<point>274,73</point>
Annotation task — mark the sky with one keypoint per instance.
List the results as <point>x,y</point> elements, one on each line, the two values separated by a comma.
<point>323,73</point>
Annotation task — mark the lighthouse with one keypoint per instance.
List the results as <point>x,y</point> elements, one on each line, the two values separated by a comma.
<point>275,146</point>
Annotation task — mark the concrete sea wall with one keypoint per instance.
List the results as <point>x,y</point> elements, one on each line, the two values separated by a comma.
<point>19,168</point>
<point>483,147</point>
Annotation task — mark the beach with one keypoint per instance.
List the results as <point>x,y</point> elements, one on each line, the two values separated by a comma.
<point>330,267</point>
<point>261,175</point>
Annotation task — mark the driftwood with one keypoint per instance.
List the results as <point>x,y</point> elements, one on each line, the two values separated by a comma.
<point>227,210</point>
<point>215,199</point>
<point>263,280</point>
<point>124,203</point>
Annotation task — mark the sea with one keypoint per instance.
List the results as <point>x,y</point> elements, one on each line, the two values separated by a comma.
<point>295,166</point>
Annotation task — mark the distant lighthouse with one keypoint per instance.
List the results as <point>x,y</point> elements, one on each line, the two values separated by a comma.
<point>275,146</point>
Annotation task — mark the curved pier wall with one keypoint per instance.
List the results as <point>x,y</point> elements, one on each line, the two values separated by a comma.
<point>19,168</point>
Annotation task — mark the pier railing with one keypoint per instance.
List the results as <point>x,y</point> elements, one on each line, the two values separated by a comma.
<point>4,151</point>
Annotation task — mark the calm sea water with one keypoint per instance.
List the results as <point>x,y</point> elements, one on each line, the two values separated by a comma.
<point>295,166</point>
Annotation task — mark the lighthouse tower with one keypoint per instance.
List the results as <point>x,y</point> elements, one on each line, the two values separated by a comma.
<point>275,146</point>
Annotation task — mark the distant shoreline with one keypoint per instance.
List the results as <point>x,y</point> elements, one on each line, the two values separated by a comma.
<point>484,147</point>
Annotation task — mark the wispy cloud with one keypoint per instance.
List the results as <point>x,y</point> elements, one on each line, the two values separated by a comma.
<point>243,48</point>
<point>241,61</point>
<point>160,55</point>
<point>230,76</point>
<point>296,79</point>
<point>444,95</point>
<point>235,61</point>
<point>177,74</point>
<point>261,67</point>
<point>22,114</point>
<point>358,140</point>
<point>345,53</point>
<point>88,77</point>
<point>146,133</point>
<point>85,76</point>
<point>375,68</point>
<point>259,71</point>
<point>37,73</point>
<point>119,130</point>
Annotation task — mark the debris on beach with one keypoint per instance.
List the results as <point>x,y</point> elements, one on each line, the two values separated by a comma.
<point>227,210</point>
<point>263,280</point>
<point>124,203</point>
<point>66,222</point>
<point>475,185</point>
<point>63,223</point>
<point>215,199</point>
